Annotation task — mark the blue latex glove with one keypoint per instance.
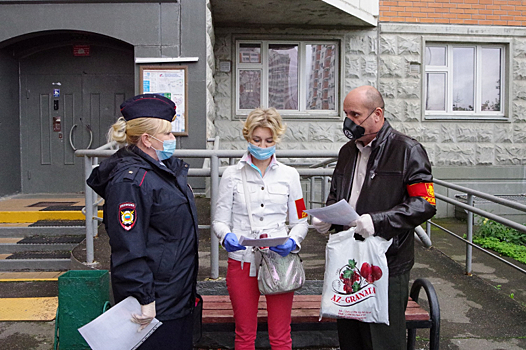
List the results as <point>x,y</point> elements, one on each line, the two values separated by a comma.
<point>285,248</point>
<point>231,243</point>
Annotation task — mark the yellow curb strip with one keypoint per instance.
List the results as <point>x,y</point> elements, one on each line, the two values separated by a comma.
<point>33,216</point>
<point>28,309</point>
<point>28,279</point>
<point>30,276</point>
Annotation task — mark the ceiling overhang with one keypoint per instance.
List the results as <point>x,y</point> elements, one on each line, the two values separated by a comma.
<point>295,13</point>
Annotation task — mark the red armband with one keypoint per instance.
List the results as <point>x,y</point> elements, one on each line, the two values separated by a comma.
<point>300,207</point>
<point>424,190</point>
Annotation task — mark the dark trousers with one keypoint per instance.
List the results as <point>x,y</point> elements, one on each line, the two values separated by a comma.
<point>356,335</point>
<point>173,334</point>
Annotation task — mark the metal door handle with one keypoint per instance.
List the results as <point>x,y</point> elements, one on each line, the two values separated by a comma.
<point>71,136</point>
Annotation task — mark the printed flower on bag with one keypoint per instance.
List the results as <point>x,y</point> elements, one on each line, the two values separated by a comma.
<point>353,279</point>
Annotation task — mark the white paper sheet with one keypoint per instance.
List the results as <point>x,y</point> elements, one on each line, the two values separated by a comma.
<point>114,330</point>
<point>262,242</point>
<point>340,213</point>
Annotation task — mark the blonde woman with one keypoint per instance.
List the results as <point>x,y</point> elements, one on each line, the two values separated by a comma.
<point>275,199</point>
<point>150,217</point>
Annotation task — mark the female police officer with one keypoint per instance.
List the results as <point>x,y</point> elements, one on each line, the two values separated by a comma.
<point>150,217</point>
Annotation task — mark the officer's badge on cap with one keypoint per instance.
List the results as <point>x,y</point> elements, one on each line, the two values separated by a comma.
<point>148,106</point>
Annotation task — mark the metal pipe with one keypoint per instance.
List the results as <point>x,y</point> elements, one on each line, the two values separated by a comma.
<point>503,201</point>
<point>428,229</point>
<point>88,198</point>
<point>423,236</point>
<point>214,192</point>
<point>312,182</point>
<point>469,249</point>
<point>206,153</point>
<point>484,213</point>
<point>479,248</point>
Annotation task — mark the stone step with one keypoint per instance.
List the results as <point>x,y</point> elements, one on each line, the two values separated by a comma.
<point>34,264</point>
<point>19,231</point>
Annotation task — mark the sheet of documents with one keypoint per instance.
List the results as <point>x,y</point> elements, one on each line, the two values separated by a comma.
<point>340,213</point>
<point>114,330</point>
<point>262,242</point>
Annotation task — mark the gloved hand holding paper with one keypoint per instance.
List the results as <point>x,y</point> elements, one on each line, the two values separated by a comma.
<point>340,213</point>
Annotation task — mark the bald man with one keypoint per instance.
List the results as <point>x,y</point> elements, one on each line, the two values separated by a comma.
<point>386,177</point>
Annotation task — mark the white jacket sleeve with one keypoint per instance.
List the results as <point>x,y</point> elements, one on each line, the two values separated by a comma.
<point>297,218</point>
<point>223,215</point>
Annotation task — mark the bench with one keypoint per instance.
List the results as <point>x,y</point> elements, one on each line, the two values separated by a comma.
<point>218,314</point>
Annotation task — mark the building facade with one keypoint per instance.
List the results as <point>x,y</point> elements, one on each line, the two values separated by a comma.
<point>453,75</point>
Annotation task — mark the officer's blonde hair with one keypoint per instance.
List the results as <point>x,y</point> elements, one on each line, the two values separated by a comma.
<point>265,118</point>
<point>130,131</point>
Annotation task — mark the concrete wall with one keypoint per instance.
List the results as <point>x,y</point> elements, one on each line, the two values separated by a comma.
<point>9,126</point>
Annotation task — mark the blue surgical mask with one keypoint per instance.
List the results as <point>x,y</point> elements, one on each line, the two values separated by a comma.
<point>168,149</point>
<point>261,153</point>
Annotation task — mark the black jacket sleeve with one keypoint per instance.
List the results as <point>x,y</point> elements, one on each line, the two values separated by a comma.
<point>130,270</point>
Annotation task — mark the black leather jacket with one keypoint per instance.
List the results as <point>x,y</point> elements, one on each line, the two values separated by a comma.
<point>396,161</point>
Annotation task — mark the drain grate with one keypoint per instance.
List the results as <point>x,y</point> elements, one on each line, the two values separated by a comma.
<point>58,223</point>
<point>51,239</point>
<point>41,255</point>
<point>47,204</point>
<point>65,208</point>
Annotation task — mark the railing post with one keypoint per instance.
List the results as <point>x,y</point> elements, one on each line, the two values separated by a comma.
<point>324,183</point>
<point>469,248</point>
<point>312,181</point>
<point>88,198</point>
<point>214,190</point>
<point>428,229</point>
<point>95,204</point>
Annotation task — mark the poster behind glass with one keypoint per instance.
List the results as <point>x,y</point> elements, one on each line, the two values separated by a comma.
<point>171,83</point>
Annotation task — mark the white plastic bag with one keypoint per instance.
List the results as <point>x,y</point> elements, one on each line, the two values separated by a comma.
<point>355,284</point>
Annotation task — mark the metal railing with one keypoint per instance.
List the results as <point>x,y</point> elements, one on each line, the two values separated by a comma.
<point>214,172</point>
<point>317,171</point>
<point>471,209</point>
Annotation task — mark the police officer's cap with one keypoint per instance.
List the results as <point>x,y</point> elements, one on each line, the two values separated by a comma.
<point>148,106</point>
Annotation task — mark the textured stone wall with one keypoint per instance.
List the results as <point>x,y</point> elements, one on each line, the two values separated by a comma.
<point>210,71</point>
<point>383,60</point>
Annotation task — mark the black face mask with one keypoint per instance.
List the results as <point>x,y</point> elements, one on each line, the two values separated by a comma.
<point>354,131</point>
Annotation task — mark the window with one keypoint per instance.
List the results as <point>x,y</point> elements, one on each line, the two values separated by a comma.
<point>299,78</point>
<point>464,80</point>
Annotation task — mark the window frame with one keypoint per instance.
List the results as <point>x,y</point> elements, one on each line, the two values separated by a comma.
<point>301,112</point>
<point>477,114</point>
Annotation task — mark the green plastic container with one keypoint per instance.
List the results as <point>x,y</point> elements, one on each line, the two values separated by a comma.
<point>82,296</point>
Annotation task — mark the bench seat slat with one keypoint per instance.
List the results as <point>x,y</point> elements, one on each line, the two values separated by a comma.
<point>305,309</point>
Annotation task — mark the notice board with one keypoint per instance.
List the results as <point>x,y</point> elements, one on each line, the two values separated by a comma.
<point>172,83</point>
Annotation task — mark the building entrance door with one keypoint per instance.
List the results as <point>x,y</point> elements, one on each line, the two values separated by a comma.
<point>66,106</point>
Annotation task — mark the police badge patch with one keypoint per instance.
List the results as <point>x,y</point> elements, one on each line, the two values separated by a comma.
<point>127,215</point>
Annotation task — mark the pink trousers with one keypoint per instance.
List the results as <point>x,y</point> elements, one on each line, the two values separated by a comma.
<point>244,295</point>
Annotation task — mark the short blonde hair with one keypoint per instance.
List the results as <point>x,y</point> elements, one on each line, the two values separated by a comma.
<point>264,118</point>
<point>130,131</point>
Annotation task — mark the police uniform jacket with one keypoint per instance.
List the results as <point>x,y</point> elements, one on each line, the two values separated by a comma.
<point>150,217</point>
<point>397,191</point>
<point>275,199</point>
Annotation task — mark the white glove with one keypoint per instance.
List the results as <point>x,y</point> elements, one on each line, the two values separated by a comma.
<point>364,225</point>
<point>147,316</point>
<point>320,226</point>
